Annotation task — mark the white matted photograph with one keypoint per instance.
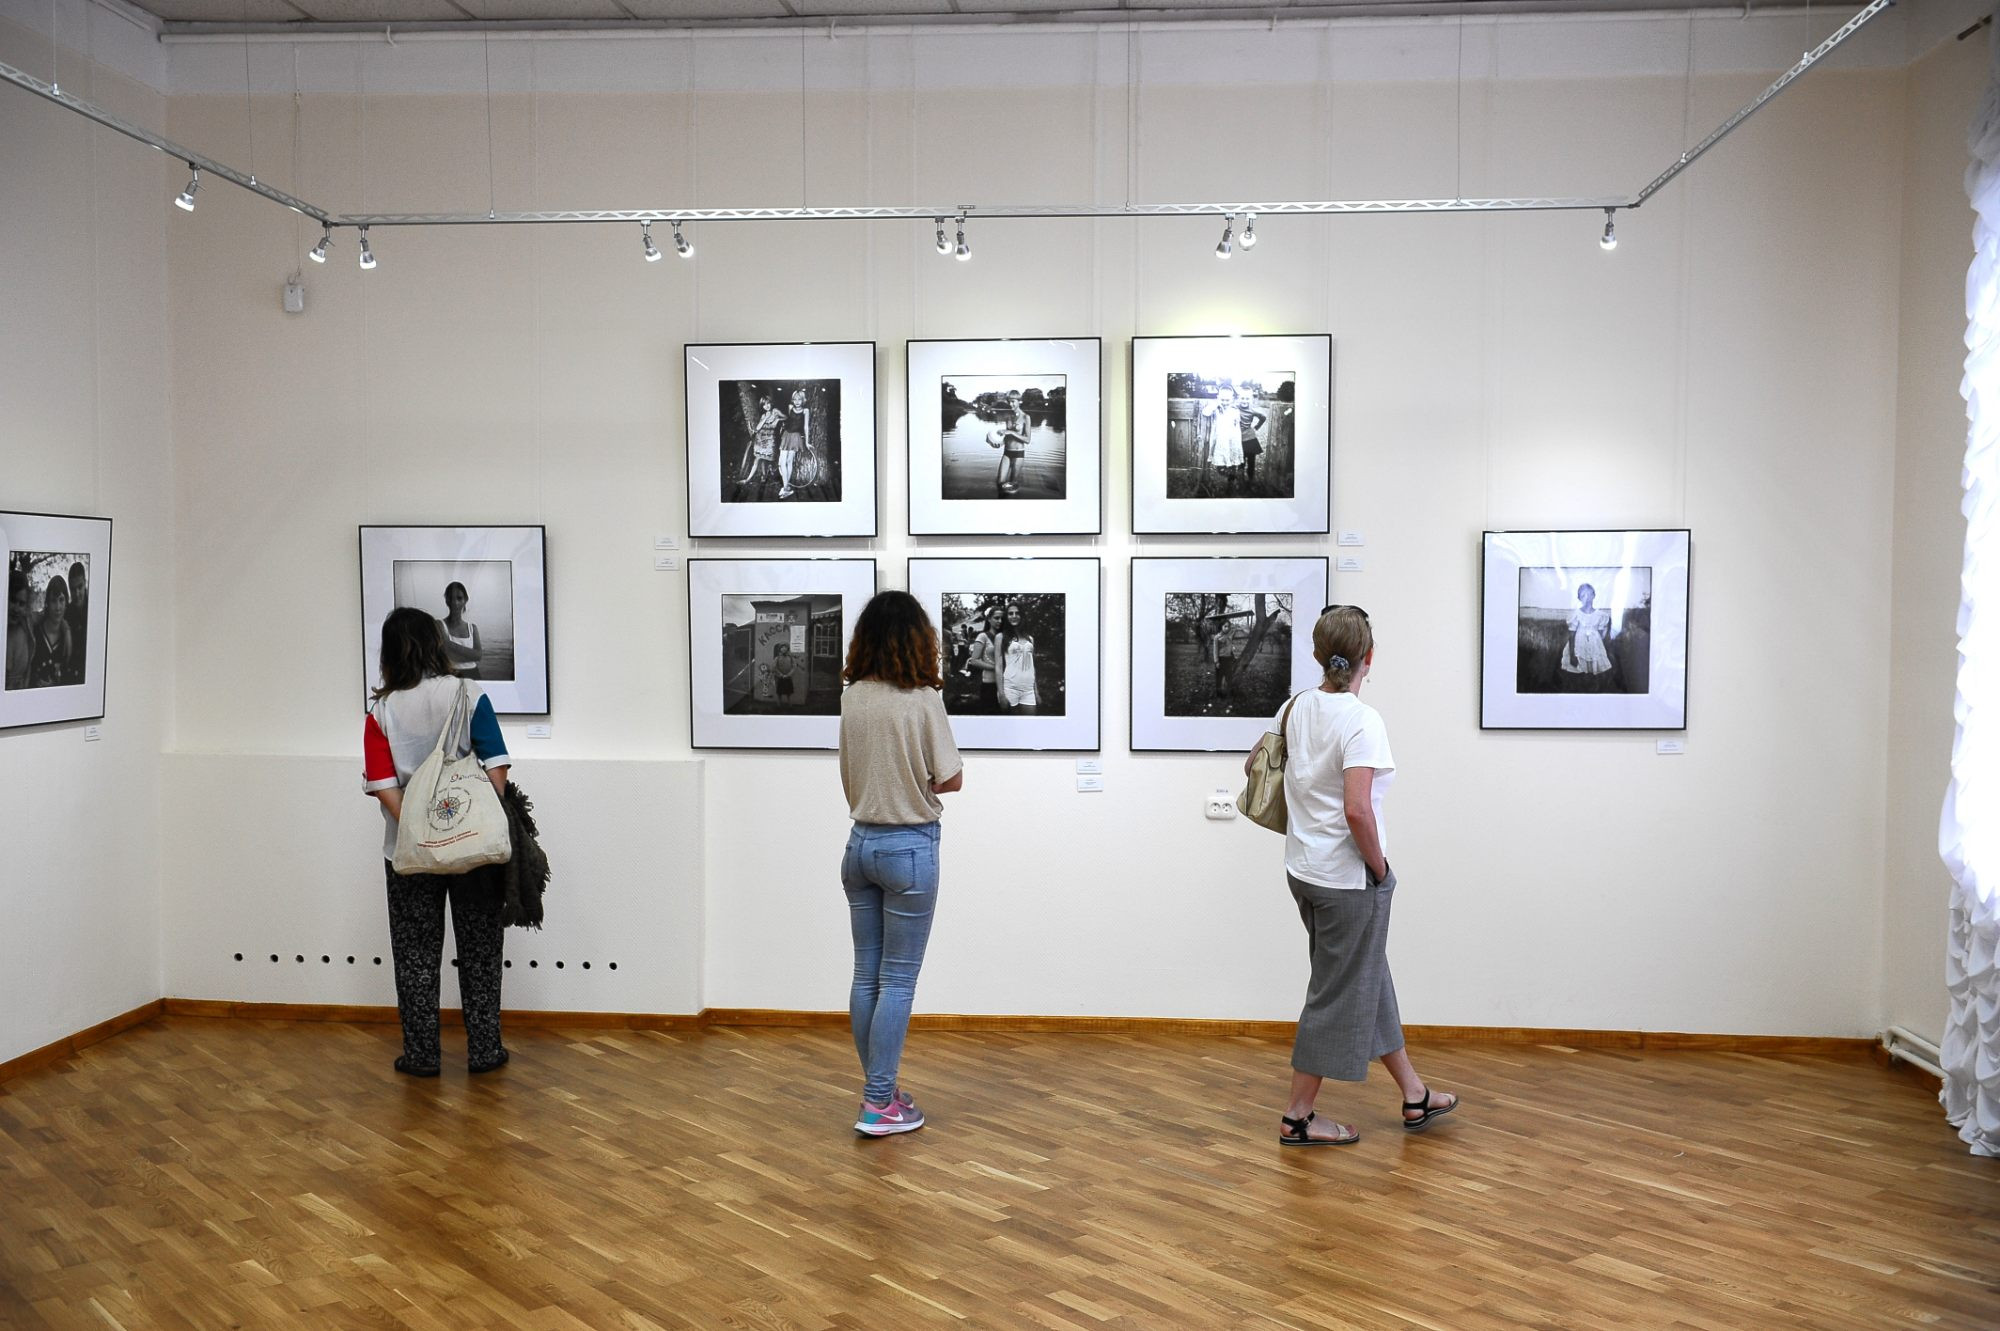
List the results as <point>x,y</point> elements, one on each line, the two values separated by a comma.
<point>58,611</point>
<point>1022,649</point>
<point>1005,436</point>
<point>1215,653</point>
<point>767,641</point>
<point>781,439</point>
<point>1232,434</point>
<point>488,589</point>
<point>1584,630</point>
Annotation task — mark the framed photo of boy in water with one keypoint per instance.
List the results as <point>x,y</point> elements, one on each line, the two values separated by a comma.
<point>781,439</point>
<point>1022,646</point>
<point>1005,437</point>
<point>58,611</point>
<point>1218,645</point>
<point>1232,434</point>
<point>1584,630</point>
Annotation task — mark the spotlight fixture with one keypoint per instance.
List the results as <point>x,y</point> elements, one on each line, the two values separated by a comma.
<point>646,238</point>
<point>1248,240</point>
<point>185,200</point>
<point>962,251</point>
<point>318,252</point>
<point>367,255</point>
<point>943,245</point>
<point>1609,240</point>
<point>1228,227</point>
<point>681,245</point>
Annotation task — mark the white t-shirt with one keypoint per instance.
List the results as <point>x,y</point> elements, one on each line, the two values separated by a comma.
<point>1329,733</point>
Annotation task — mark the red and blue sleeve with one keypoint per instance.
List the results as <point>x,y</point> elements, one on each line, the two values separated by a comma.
<point>487,742</point>
<point>378,764</point>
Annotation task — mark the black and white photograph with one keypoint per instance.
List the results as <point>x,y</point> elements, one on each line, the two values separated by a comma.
<point>1231,434</point>
<point>1214,651</point>
<point>57,591</point>
<point>1227,653</point>
<point>767,642</point>
<point>1584,630</point>
<point>487,587</point>
<point>1004,436</point>
<point>1020,645</point>
<point>782,654</point>
<point>1003,653</point>
<point>780,439</point>
<point>473,600</point>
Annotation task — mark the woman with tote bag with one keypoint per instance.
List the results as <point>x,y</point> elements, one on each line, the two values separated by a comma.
<point>423,718</point>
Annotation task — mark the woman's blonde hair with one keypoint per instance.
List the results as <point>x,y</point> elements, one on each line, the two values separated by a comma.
<point>1341,642</point>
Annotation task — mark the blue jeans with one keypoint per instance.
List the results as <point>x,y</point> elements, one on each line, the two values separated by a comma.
<point>890,874</point>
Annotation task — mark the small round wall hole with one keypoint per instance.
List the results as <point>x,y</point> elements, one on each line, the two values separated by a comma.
<point>274,956</point>
<point>533,964</point>
<point>586,965</point>
<point>239,956</point>
<point>558,965</point>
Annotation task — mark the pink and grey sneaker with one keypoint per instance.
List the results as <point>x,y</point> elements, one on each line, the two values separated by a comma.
<point>900,1115</point>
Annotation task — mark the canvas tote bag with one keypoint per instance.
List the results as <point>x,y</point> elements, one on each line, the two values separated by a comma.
<point>1263,797</point>
<point>452,820</point>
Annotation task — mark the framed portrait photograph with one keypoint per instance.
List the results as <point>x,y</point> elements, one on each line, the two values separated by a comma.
<point>1022,647</point>
<point>781,439</point>
<point>1232,434</point>
<point>767,640</point>
<point>1584,630</point>
<point>488,589</point>
<point>58,609</point>
<point>1005,437</point>
<point>1215,653</point>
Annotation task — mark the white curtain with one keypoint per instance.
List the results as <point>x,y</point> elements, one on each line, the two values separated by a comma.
<point>1969,831</point>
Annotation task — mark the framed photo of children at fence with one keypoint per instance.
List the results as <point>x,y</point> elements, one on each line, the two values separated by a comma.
<point>1005,438</point>
<point>1584,630</point>
<point>58,612</point>
<point>1232,434</point>
<point>1022,644</point>
<point>767,640</point>
<point>781,439</point>
<point>1218,645</point>
<point>488,589</point>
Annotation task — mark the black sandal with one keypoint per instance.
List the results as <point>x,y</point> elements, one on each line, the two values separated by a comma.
<point>500,1062</point>
<point>1423,1102</point>
<point>409,1069</point>
<point>1294,1134</point>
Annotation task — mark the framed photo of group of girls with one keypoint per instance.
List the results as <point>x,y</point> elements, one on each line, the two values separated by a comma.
<point>58,613</point>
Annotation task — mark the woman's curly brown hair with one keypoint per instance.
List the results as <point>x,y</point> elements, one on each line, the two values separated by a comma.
<point>895,643</point>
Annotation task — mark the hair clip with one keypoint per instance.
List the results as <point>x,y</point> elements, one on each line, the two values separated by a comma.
<point>1337,663</point>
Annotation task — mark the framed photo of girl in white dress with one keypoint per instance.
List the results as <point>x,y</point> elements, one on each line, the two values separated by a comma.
<point>1584,630</point>
<point>1232,434</point>
<point>781,439</point>
<point>488,589</point>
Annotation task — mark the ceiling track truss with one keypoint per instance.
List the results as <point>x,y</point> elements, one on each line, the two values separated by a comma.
<point>940,213</point>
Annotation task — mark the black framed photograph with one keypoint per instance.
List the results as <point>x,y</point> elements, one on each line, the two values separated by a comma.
<point>767,641</point>
<point>1218,645</point>
<point>1005,436</point>
<point>1022,646</point>
<point>488,589</point>
<point>781,439</point>
<point>1232,434</point>
<point>58,612</point>
<point>1584,630</point>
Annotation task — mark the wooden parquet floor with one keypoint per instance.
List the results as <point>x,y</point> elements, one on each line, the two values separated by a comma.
<point>198,1174</point>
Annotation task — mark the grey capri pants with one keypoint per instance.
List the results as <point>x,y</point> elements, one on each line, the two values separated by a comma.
<point>1350,1017</point>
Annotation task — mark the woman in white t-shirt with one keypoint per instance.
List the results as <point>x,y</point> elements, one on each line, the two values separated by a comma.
<point>1338,771</point>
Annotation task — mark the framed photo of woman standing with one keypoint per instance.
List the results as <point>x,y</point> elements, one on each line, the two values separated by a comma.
<point>486,586</point>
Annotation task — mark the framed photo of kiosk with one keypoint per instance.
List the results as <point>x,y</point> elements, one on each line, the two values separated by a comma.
<point>1218,645</point>
<point>1023,649</point>
<point>767,640</point>
<point>1005,437</point>
<point>487,587</point>
<point>1231,434</point>
<point>58,611</point>
<point>1584,630</point>
<point>781,439</point>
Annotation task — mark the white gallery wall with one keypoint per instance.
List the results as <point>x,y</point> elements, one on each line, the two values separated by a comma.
<point>1732,367</point>
<point>84,429</point>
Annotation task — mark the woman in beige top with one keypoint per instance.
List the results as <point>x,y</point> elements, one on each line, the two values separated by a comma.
<point>896,757</point>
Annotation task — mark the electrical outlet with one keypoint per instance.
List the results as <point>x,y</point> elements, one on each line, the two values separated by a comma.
<point>1221,805</point>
